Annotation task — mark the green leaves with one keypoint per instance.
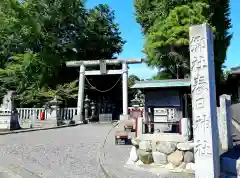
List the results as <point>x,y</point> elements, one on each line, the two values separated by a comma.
<point>166,24</point>
<point>37,38</point>
<point>132,80</point>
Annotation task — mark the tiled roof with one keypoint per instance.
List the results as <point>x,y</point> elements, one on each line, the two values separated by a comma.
<point>162,83</point>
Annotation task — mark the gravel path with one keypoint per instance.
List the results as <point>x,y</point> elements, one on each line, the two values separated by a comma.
<point>61,153</point>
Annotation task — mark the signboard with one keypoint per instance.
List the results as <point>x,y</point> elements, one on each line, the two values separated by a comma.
<point>160,111</point>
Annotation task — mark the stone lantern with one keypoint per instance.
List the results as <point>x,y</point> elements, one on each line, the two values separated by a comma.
<point>54,114</point>
<point>8,112</point>
<point>93,109</point>
<point>86,107</point>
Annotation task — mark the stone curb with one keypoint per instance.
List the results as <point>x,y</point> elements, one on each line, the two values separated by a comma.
<point>35,129</point>
<point>106,172</point>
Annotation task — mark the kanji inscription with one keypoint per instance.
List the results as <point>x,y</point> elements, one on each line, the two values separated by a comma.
<point>199,84</point>
<point>202,148</point>
<point>202,123</point>
<point>199,103</point>
<point>199,62</point>
<point>197,44</point>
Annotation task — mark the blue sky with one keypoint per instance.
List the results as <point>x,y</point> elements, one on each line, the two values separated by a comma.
<point>131,32</point>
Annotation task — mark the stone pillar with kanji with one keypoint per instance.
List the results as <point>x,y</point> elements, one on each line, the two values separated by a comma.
<point>203,89</point>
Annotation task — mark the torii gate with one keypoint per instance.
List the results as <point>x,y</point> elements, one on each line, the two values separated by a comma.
<point>103,71</point>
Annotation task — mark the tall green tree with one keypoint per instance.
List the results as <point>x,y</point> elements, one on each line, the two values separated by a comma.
<point>220,18</point>
<point>167,40</point>
<point>165,26</point>
<point>41,35</point>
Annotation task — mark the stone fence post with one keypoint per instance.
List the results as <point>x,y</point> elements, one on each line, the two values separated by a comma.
<point>225,123</point>
<point>185,127</point>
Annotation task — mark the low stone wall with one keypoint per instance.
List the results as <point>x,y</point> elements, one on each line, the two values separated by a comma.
<point>175,156</point>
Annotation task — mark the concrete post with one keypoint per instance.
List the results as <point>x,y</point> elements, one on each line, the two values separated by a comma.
<point>185,127</point>
<point>81,92</point>
<point>139,126</point>
<point>225,123</point>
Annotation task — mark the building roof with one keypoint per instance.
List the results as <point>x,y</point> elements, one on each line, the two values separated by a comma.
<point>162,83</point>
<point>235,70</point>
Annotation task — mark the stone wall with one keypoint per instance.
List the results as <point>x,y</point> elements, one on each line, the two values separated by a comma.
<point>175,156</point>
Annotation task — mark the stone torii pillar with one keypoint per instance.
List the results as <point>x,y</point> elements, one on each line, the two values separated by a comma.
<point>125,88</point>
<point>103,71</point>
<point>81,83</point>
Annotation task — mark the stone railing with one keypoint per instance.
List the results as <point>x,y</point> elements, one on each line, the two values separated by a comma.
<point>27,113</point>
<point>68,113</point>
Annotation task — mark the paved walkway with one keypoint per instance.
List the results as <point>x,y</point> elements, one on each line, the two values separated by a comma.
<point>61,153</point>
<point>68,153</point>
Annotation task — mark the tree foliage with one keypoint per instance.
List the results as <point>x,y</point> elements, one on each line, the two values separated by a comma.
<point>132,80</point>
<point>38,37</point>
<point>165,25</point>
